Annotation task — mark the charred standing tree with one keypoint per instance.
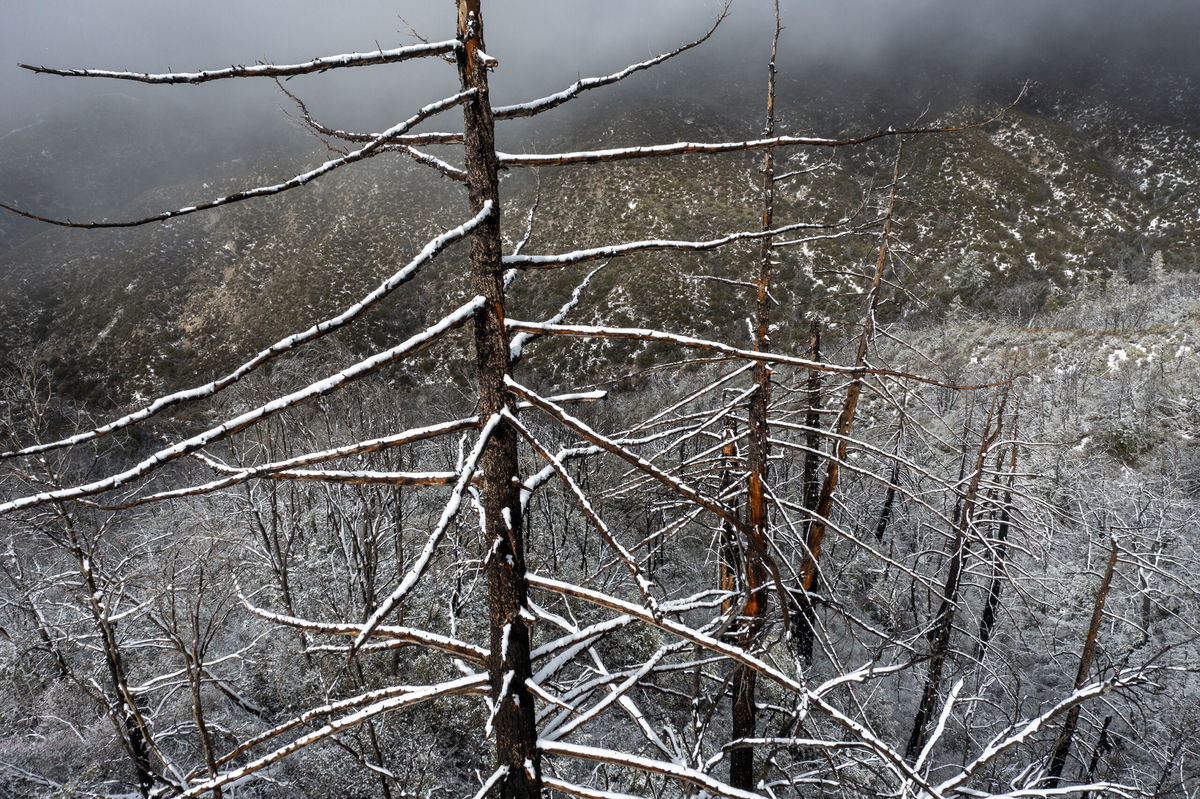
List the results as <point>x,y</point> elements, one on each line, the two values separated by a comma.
<point>819,523</point>
<point>942,624</point>
<point>987,619</point>
<point>744,721</point>
<point>508,664</point>
<point>127,717</point>
<point>1062,744</point>
<point>573,691</point>
<point>802,611</point>
<point>812,421</point>
<point>889,497</point>
<point>730,555</point>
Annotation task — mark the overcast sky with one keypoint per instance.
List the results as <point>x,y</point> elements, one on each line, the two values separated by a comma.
<point>541,42</point>
<point>544,44</point>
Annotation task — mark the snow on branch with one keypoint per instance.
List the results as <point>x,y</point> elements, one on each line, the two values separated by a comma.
<point>564,725</point>
<point>417,570</point>
<point>375,147</point>
<point>583,792</point>
<point>1000,745</point>
<point>312,714</point>
<point>566,647</point>
<point>366,477</point>
<point>645,334</point>
<point>644,585</point>
<point>533,107</point>
<point>490,782</point>
<point>431,161</point>
<point>474,683</point>
<point>371,58</point>
<point>428,253</point>
<point>516,347</point>
<point>679,148</point>
<point>675,771</point>
<point>617,250</point>
<point>407,635</point>
<point>1102,788</point>
<point>769,143</point>
<point>889,756</point>
<point>614,447</point>
<point>237,475</point>
<point>229,427</point>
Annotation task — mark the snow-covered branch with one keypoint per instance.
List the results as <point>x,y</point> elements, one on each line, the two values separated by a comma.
<point>1000,745</point>
<point>870,741</point>
<point>376,146</point>
<point>417,570</point>
<point>371,58</point>
<point>408,635</point>
<point>538,106</point>
<point>649,245</point>
<point>675,771</point>
<point>402,276</point>
<point>680,148</point>
<point>612,446</point>
<point>410,696</point>
<point>645,334</point>
<point>242,421</point>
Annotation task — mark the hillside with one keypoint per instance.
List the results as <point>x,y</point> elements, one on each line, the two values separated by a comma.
<point>1011,219</point>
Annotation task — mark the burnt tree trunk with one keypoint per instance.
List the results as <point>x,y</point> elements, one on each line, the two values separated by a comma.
<point>987,621</point>
<point>1062,745</point>
<point>943,621</point>
<point>845,423</point>
<point>745,712</point>
<point>729,556</point>
<point>508,664</point>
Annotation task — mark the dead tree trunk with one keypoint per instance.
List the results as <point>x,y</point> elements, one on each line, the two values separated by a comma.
<point>123,709</point>
<point>729,556</point>
<point>987,620</point>
<point>943,621</point>
<point>1062,745</point>
<point>812,420</point>
<point>845,423</point>
<point>508,664</point>
<point>1103,744</point>
<point>889,498</point>
<point>744,721</point>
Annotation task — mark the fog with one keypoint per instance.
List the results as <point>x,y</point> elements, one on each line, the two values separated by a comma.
<point>897,46</point>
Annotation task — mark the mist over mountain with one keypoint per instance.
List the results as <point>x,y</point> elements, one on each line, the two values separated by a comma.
<point>910,49</point>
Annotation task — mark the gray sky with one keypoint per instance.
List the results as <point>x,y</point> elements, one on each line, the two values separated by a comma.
<point>544,44</point>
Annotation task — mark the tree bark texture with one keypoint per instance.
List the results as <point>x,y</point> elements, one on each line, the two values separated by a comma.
<point>508,664</point>
<point>744,711</point>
